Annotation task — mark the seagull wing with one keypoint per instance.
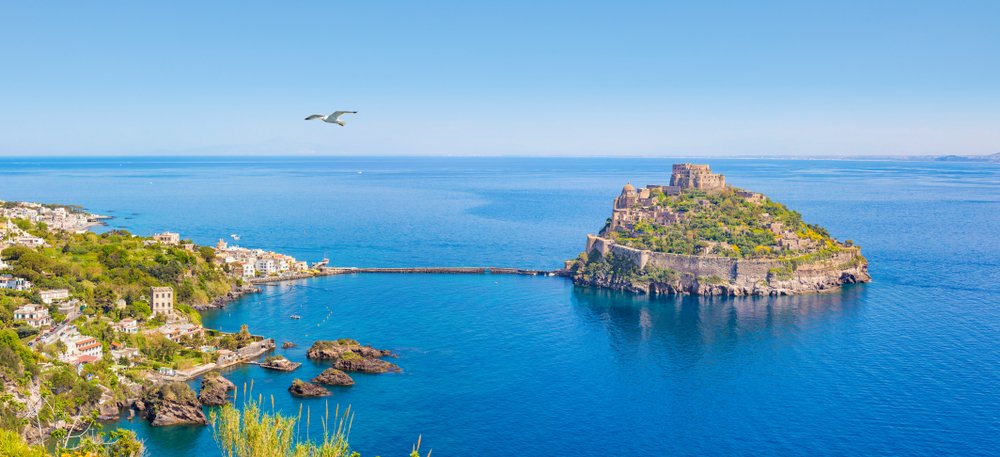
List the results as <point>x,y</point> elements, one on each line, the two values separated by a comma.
<point>315,116</point>
<point>335,116</point>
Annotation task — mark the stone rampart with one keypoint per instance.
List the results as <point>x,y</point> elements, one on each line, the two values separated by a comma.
<point>739,271</point>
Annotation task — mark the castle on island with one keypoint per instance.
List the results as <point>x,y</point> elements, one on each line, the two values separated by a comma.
<point>634,205</point>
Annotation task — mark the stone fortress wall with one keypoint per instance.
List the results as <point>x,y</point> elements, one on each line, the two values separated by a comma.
<point>737,271</point>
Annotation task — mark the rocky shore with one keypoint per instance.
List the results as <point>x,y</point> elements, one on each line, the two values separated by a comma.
<point>231,296</point>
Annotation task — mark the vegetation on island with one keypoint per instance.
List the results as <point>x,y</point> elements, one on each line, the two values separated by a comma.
<point>725,223</point>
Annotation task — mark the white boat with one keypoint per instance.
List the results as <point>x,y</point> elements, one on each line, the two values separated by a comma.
<point>295,316</point>
<point>234,236</point>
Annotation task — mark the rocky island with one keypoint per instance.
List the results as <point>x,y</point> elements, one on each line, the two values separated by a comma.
<point>349,355</point>
<point>699,236</point>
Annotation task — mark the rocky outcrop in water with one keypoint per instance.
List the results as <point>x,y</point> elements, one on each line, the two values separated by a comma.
<point>279,363</point>
<point>333,377</point>
<point>287,345</point>
<point>214,389</point>
<point>350,361</point>
<point>329,350</point>
<point>349,355</point>
<point>172,403</point>
<point>300,388</point>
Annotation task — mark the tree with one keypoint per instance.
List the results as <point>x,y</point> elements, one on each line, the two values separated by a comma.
<point>207,253</point>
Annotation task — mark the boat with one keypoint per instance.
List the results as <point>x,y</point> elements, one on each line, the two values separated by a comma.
<point>295,316</point>
<point>234,236</point>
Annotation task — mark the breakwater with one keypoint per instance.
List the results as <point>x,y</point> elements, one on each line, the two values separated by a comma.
<point>332,271</point>
<point>443,270</point>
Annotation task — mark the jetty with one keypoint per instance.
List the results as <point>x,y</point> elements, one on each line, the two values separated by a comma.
<point>332,271</point>
<point>440,270</point>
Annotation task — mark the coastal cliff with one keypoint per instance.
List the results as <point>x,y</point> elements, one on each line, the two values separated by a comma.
<point>699,236</point>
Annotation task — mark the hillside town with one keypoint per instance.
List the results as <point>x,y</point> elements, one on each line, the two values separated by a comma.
<point>104,323</point>
<point>55,217</point>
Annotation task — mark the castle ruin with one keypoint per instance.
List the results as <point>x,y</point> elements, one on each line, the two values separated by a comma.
<point>634,205</point>
<point>695,176</point>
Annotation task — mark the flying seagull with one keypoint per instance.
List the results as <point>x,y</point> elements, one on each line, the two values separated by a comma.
<point>333,118</point>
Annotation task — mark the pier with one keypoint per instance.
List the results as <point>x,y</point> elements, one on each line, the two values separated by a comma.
<point>441,270</point>
<point>332,271</point>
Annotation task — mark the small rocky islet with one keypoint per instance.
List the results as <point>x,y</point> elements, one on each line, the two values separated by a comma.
<point>214,389</point>
<point>279,363</point>
<point>333,377</point>
<point>350,355</point>
<point>300,388</point>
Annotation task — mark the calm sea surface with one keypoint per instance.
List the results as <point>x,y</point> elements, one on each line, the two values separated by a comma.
<point>526,366</point>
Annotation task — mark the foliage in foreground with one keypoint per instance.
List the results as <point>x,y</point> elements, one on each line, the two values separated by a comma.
<point>118,443</point>
<point>253,432</point>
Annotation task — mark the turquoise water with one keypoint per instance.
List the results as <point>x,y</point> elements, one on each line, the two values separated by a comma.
<point>532,366</point>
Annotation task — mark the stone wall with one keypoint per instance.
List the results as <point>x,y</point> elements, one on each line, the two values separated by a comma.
<point>742,272</point>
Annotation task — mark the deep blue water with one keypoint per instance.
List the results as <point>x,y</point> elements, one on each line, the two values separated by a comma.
<point>502,365</point>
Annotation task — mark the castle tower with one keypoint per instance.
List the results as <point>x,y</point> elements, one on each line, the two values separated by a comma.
<point>627,198</point>
<point>162,302</point>
<point>696,176</point>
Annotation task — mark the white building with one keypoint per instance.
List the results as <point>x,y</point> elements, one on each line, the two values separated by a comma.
<point>178,332</point>
<point>170,238</point>
<point>35,315</point>
<point>86,345</point>
<point>129,325</point>
<point>29,241</point>
<point>266,266</point>
<point>49,296</point>
<point>79,348</point>
<point>163,301</point>
<point>243,270</point>
<point>10,282</point>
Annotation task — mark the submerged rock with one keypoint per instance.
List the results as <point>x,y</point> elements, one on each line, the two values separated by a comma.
<point>173,403</point>
<point>329,350</point>
<point>300,388</point>
<point>333,377</point>
<point>215,389</point>
<point>287,345</point>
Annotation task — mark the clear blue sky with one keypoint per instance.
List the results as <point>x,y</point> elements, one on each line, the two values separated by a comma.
<point>520,78</point>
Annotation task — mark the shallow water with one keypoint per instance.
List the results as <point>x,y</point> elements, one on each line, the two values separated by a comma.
<point>499,365</point>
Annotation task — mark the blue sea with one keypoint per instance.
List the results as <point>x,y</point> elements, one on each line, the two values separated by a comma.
<point>533,366</point>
